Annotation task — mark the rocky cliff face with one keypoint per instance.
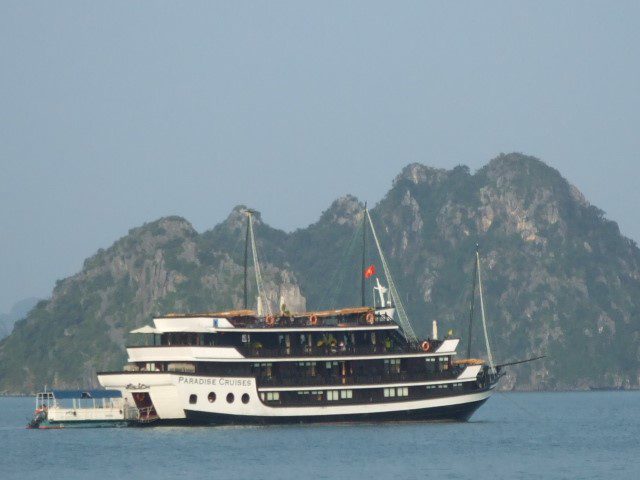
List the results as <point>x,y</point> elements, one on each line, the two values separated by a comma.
<point>559,278</point>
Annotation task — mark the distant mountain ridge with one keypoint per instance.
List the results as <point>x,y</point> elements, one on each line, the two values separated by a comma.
<point>559,277</point>
<point>18,310</point>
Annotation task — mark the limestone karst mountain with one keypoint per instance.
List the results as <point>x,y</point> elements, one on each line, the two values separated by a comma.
<point>559,277</point>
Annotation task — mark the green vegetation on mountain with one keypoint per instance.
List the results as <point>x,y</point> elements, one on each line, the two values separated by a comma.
<point>18,311</point>
<point>559,277</point>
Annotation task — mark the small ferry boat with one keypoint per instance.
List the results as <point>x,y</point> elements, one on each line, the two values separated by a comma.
<point>344,365</point>
<point>77,409</point>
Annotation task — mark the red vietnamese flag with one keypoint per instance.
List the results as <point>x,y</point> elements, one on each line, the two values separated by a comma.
<point>370,271</point>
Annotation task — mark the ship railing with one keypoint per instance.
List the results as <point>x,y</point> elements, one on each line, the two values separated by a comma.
<point>329,350</point>
<point>317,380</point>
<point>140,414</point>
<point>305,321</point>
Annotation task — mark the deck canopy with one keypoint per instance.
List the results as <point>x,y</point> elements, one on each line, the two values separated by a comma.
<point>212,322</point>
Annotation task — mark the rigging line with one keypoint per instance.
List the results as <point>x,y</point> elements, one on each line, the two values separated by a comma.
<point>397,302</point>
<point>245,264</point>
<point>364,255</point>
<point>519,362</point>
<point>337,280</point>
<point>473,300</point>
<point>256,266</point>
<point>517,405</point>
<point>484,321</point>
<point>232,256</point>
<point>236,246</point>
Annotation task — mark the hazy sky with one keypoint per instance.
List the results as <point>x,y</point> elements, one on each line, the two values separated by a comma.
<point>117,113</point>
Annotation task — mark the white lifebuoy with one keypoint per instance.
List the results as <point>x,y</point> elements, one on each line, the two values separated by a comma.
<point>370,318</point>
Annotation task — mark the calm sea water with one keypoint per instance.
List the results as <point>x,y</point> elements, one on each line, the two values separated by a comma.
<point>517,435</point>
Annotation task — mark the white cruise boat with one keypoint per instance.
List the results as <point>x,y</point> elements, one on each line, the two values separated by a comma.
<point>353,364</point>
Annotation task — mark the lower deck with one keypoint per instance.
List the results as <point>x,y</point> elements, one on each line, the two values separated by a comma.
<point>191,397</point>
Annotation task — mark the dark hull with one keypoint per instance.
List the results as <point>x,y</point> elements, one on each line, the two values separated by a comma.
<point>458,413</point>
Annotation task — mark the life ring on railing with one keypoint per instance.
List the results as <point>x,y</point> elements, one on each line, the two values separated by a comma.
<point>370,318</point>
<point>313,319</point>
<point>426,346</point>
<point>271,320</point>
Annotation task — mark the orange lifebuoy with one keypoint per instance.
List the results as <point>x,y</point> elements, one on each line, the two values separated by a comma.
<point>271,320</point>
<point>313,319</point>
<point>426,346</point>
<point>370,318</point>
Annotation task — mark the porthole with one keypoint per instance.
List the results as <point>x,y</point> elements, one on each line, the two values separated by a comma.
<point>245,398</point>
<point>230,397</point>
<point>193,398</point>
<point>211,397</point>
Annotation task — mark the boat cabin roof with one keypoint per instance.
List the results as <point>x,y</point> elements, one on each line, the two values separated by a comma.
<point>247,320</point>
<point>69,394</point>
<point>233,314</point>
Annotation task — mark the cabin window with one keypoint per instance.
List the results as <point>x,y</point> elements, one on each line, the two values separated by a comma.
<point>392,365</point>
<point>402,391</point>
<point>444,363</point>
<point>389,392</point>
<point>308,368</point>
<point>230,397</point>
<point>193,398</point>
<point>211,397</point>
<point>332,395</point>
<point>273,396</point>
<point>245,398</point>
<point>430,364</point>
<point>346,394</point>
<point>264,369</point>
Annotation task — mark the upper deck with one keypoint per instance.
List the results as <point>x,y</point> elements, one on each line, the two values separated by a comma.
<point>247,321</point>
<point>242,335</point>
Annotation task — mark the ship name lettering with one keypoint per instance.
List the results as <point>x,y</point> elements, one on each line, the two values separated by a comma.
<point>197,381</point>
<point>235,382</point>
